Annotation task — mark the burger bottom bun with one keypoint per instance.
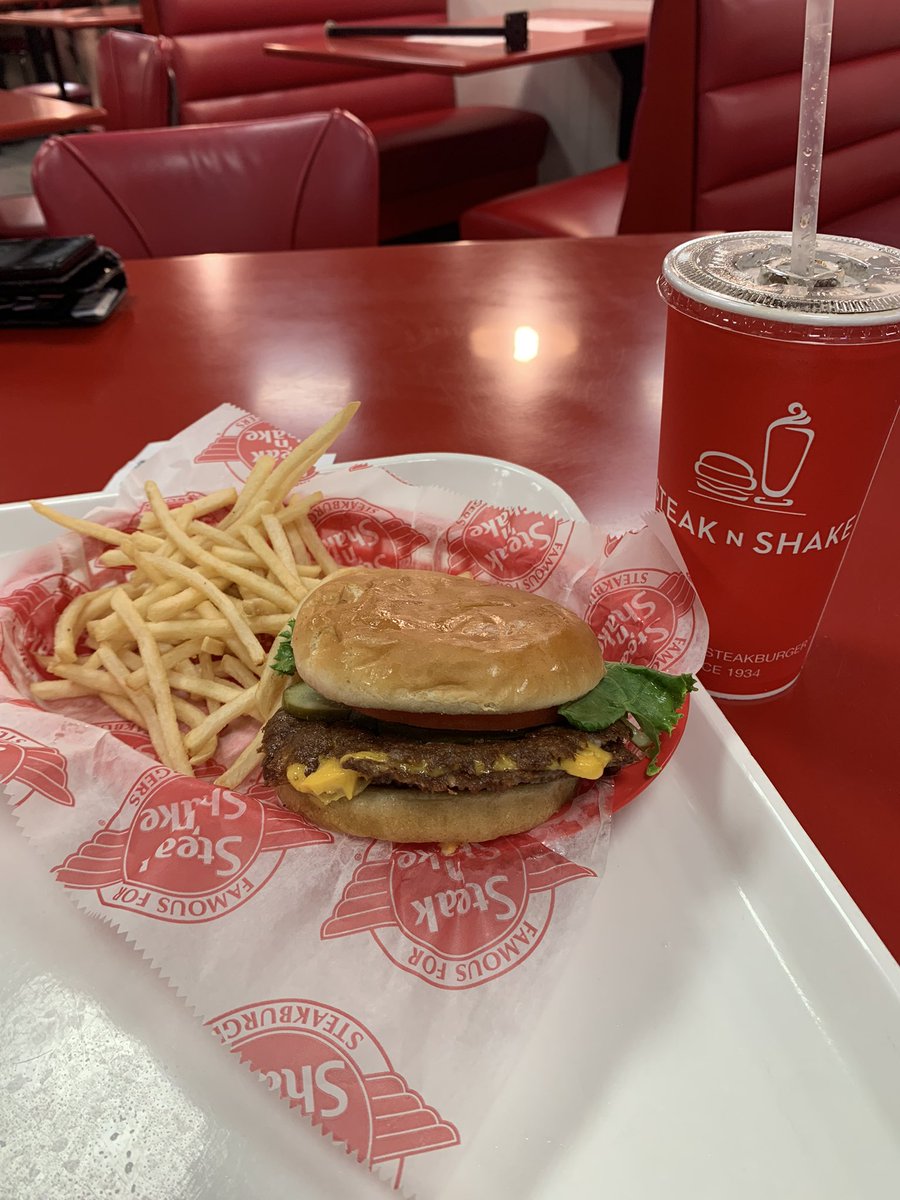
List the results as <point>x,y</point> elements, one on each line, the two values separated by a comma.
<point>408,815</point>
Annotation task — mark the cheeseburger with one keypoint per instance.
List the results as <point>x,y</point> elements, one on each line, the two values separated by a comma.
<point>435,708</point>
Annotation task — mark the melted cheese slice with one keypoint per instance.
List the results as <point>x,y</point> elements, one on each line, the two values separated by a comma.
<point>332,781</point>
<point>589,763</point>
<point>329,782</point>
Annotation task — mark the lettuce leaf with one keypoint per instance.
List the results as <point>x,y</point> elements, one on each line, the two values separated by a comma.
<point>651,697</point>
<point>283,662</point>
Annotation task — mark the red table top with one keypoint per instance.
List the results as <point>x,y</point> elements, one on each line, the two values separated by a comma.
<point>625,29</point>
<point>423,336</point>
<point>24,115</point>
<point>102,16</point>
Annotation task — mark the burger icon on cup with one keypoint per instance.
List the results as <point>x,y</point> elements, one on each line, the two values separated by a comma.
<point>438,708</point>
<point>725,475</point>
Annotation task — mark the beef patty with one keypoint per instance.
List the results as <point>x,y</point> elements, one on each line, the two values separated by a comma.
<point>431,760</point>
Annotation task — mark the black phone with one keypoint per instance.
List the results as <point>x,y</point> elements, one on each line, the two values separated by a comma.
<point>58,281</point>
<point>36,259</point>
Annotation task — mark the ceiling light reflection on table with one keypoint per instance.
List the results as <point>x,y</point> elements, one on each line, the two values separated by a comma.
<point>526,343</point>
<point>523,343</point>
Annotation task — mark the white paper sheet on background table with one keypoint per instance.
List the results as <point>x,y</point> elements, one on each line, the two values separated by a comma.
<point>535,25</point>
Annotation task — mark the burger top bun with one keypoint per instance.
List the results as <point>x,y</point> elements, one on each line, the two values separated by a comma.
<point>421,641</point>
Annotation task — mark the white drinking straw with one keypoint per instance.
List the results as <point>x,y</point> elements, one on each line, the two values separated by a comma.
<point>813,96</point>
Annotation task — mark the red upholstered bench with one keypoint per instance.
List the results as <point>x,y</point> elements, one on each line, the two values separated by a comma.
<point>436,158</point>
<point>716,131</point>
<point>194,189</point>
<point>587,206</point>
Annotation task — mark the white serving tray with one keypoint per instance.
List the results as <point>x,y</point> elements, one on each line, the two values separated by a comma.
<point>489,479</point>
<point>727,1028</point>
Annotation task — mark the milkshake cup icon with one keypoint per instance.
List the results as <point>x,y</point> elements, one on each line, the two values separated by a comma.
<point>784,456</point>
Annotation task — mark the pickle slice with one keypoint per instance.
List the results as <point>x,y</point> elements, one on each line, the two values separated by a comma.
<point>304,702</point>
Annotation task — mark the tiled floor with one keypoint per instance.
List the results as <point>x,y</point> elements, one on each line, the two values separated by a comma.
<point>15,157</point>
<point>15,166</point>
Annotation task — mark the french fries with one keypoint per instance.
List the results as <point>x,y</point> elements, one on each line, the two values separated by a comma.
<point>183,646</point>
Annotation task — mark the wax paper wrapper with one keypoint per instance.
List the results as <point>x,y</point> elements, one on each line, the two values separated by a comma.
<point>382,990</point>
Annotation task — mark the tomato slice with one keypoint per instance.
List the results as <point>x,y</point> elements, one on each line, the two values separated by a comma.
<point>471,722</point>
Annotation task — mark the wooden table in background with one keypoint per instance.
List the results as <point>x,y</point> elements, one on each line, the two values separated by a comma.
<point>623,38</point>
<point>23,115</point>
<point>624,29</point>
<point>425,338</point>
<point>103,16</point>
<point>77,21</point>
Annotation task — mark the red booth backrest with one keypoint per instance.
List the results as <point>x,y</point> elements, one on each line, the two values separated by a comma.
<point>132,80</point>
<point>214,48</point>
<point>292,183</point>
<point>718,118</point>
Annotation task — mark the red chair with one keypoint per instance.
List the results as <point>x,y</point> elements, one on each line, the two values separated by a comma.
<point>716,131</point>
<point>290,183</point>
<point>437,159</point>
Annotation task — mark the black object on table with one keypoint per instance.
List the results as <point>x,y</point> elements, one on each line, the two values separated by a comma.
<point>514,31</point>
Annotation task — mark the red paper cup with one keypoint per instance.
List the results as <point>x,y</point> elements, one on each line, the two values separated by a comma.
<point>778,399</point>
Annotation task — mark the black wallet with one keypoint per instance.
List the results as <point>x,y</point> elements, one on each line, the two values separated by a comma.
<point>58,281</point>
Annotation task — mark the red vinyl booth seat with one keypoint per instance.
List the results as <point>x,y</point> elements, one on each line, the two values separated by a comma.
<point>303,182</point>
<point>716,131</point>
<point>585,206</point>
<point>132,80</point>
<point>436,158</point>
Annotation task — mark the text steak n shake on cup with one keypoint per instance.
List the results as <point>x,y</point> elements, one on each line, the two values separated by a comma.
<point>778,398</point>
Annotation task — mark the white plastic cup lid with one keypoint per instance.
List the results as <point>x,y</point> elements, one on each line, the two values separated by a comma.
<point>853,283</point>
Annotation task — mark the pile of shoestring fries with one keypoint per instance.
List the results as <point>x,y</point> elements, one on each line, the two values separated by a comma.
<point>176,647</point>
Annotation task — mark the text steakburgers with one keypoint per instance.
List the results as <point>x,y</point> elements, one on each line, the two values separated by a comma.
<point>427,710</point>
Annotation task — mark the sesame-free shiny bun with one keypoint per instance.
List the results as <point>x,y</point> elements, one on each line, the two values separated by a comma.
<point>422,641</point>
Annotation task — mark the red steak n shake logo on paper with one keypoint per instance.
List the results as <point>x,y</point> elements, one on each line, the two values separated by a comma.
<point>133,522</point>
<point>35,610</point>
<point>171,502</point>
<point>5,661</point>
<point>243,442</point>
<point>33,769</point>
<point>94,548</point>
<point>357,533</point>
<point>455,921</point>
<point>645,617</point>
<point>139,739</point>
<point>184,850</point>
<point>506,545</point>
<point>334,1070</point>
<point>132,735</point>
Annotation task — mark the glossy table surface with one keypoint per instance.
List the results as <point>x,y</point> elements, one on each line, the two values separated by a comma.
<point>426,338</point>
<point>625,29</point>
<point>99,17</point>
<point>23,115</point>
